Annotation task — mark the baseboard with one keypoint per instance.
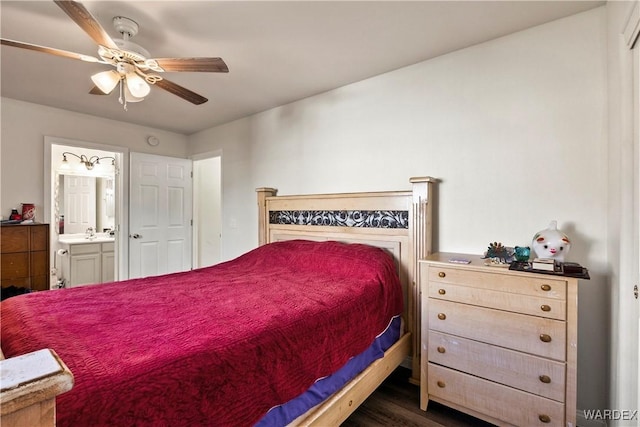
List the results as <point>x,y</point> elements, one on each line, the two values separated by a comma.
<point>582,421</point>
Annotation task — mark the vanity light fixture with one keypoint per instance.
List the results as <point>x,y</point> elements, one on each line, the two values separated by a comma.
<point>88,162</point>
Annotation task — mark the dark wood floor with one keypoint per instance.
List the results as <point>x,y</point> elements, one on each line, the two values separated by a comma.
<point>396,403</point>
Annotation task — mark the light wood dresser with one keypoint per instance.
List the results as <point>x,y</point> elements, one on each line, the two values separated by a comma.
<point>500,345</point>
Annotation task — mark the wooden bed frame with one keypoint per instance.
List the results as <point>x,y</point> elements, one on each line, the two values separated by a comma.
<point>398,221</point>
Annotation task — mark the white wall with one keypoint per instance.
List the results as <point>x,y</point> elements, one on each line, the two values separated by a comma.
<point>24,126</point>
<point>515,129</point>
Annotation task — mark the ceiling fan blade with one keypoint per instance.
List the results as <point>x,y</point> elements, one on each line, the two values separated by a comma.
<point>50,50</point>
<point>180,91</point>
<point>81,16</point>
<point>211,65</point>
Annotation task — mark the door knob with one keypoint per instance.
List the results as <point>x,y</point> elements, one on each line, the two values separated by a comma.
<point>135,236</point>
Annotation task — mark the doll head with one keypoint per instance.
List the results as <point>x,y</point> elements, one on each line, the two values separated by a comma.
<point>551,243</point>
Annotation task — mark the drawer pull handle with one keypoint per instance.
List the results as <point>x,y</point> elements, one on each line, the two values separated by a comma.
<point>441,349</point>
<point>441,384</point>
<point>545,379</point>
<point>545,338</point>
<point>544,418</point>
<point>545,288</point>
<point>442,274</point>
<point>442,316</point>
<point>442,291</point>
<point>545,307</point>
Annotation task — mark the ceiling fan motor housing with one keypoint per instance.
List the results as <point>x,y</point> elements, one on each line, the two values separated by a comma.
<point>125,26</point>
<point>129,28</point>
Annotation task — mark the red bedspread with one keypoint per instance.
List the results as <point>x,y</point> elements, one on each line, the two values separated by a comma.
<point>217,346</point>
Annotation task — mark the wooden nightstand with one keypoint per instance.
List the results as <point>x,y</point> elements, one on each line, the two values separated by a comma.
<point>500,345</point>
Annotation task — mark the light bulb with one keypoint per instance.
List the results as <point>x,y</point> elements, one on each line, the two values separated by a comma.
<point>106,81</point>
<point>128,96</point>
<point>137,85</point>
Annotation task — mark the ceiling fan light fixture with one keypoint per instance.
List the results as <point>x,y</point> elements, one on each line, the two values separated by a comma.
<point>129,97</point>
<point>138,87</point>
<point>106,81</point>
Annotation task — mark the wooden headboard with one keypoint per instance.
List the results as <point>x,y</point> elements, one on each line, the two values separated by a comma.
<point>398,221</point>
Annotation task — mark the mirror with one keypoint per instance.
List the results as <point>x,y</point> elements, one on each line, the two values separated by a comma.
<point>83,201</point>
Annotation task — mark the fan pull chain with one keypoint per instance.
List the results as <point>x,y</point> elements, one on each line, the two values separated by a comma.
<point>122,98</point>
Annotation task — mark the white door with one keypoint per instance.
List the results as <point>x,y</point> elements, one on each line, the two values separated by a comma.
<point>630,281</point>
<point>79,203</point>
<point>160,215</point>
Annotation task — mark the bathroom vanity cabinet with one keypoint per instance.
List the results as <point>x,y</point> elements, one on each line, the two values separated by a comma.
<point>87,262</point>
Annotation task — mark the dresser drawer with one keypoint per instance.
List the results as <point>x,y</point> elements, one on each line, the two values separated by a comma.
<point>39,238</point>
<point>495,400</point>
<point>535,335</point>
<point>15,265</point>
<point>552,308</point>
<point>39,263</point>
<point>529,373</point>
<point>14,239</point>
<point>20,282</point>
<point>536,285</point>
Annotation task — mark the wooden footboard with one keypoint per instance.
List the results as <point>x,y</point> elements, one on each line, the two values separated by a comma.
<point>338,407</point>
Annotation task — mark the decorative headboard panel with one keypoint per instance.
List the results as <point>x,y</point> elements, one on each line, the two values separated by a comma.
<point>398,221</point>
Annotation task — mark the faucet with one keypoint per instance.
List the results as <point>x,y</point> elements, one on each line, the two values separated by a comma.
<point>91,233</point>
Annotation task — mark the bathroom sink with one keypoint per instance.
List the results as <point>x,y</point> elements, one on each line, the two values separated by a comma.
<point>71,239</point>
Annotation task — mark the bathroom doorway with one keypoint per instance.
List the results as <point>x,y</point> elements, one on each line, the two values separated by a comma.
<point>207,209</point>
<point>102,166</point>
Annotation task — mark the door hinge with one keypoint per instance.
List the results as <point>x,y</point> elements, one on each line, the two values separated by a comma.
<point>635,291</point>
<point>191,221</point>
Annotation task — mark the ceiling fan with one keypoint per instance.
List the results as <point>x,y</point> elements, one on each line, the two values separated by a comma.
<point>133,71</point>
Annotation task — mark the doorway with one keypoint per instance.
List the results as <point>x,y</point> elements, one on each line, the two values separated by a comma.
<point>207,211</point>
<point>107,207</point>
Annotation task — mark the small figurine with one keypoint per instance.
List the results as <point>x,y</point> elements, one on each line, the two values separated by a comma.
<point>522,253</point>
<point>551,243</point>
<point>499,254</point>
<point>15,216</point>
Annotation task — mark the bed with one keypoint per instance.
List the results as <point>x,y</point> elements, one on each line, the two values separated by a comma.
<point>208,366</point>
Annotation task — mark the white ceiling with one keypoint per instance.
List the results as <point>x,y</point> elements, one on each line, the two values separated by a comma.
<point>277,52</point>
